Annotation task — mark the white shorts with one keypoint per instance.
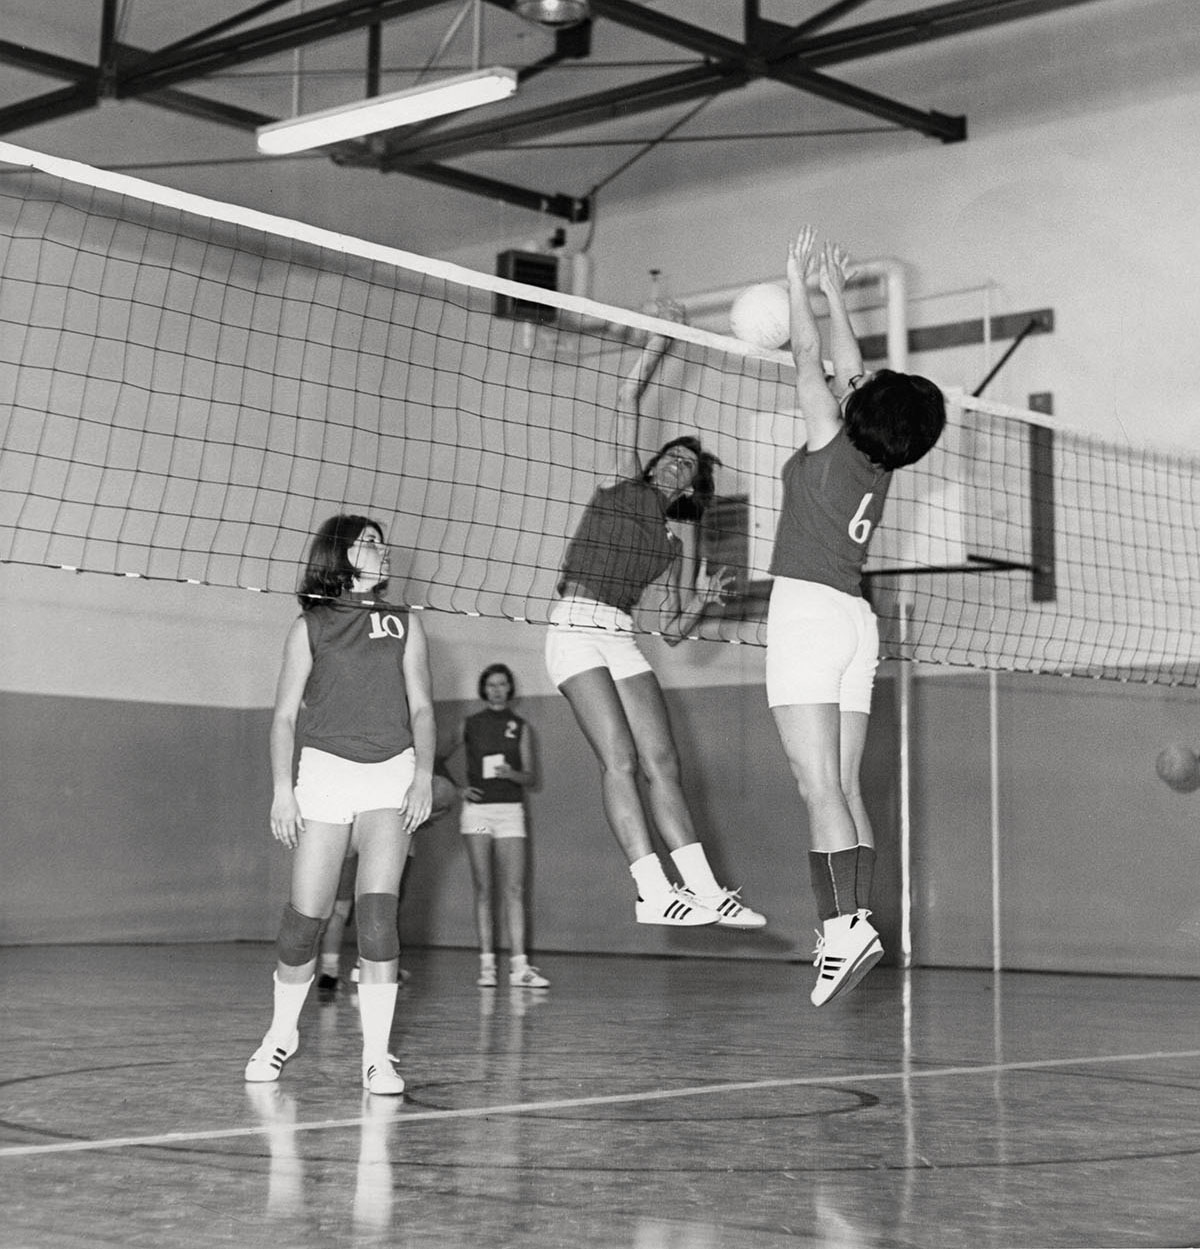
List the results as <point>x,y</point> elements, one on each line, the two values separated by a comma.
<point>822,647</point>
<point>584,634</point>
<point>492,819</point>
<point>333,790</point>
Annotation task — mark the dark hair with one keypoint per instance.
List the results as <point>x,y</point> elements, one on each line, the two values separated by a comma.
<point>689,507</point>
<point>492,670</point>
<point>329,572</point>
<point>895,418</point>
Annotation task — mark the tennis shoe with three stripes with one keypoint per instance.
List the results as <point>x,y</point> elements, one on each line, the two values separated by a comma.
<point>678,908</point>
<point>528,977</point>
<point>731,910</point>
<point>267,1061</point>
<point>382,1078</point>
<point>846,951</point>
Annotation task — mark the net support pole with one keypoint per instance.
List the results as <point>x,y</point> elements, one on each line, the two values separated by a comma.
<point>994,806</point>
<point>904,714</point>
<point>1043,588</point>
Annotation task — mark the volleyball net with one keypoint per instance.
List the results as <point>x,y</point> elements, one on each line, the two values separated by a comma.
<point>188,389</point>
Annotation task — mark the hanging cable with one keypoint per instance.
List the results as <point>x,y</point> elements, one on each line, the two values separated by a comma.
<point>649,147</point>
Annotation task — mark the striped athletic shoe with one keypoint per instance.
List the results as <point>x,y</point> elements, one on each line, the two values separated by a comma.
<point>267,1061</point>
<point>382,1078</point>
<point>528,978</point>
<point>849,948</point>
<point>679,908</point>
<point>730,911</point>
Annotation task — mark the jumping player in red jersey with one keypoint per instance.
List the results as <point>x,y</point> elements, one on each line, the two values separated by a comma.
<point>822,636</point>
<point>624,543</point>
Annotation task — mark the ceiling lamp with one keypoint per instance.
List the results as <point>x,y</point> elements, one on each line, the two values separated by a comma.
<point>386,112</point>
<point>553,12</point>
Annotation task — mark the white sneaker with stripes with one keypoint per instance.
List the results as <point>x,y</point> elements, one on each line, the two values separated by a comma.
<point>528,978</point>
<point>267,1061</point>
<point>731,912</point>
<point>382,1078</point>
<point>679,908</point>
<point>846,951</point>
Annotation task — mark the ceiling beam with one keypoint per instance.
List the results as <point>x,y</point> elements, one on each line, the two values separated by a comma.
<point>46,63</point>
<point>729,65</point>
<point>790,55</point>
<point>919,26</point>
<point>935,125</point>
<point>806,29</point>
<point>567,207</point>
<point>677,88</point>
<point>669,29</point>
<point>192,60</point>
<point>87,92</point>
<point>228,23</point>
<point>789,67</point>
<point>51,106</point>
<point>84,93</point>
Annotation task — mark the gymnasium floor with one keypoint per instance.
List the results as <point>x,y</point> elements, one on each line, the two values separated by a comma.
<point>637,1104</point>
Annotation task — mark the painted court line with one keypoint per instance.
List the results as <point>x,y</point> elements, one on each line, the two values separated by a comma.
<point>577,1103</point>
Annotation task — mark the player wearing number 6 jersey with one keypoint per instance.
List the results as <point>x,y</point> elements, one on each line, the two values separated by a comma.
<point>822,637</point>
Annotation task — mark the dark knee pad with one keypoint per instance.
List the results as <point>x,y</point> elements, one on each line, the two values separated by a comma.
<point>298,937</point>
<point>378,940</point>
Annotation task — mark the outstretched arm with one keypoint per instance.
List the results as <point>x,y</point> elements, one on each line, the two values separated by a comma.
<point>817,405</point>
<point>832,275</point>
<point>626,460</point>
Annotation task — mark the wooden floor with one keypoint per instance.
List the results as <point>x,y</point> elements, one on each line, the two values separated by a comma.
<point>637,1104</point>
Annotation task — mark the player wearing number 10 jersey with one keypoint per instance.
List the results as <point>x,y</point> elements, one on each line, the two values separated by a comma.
<point>822,636</point>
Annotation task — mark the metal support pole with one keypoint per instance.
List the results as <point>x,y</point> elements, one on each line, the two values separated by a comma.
<point>905,795</point>
<point>994,770</point>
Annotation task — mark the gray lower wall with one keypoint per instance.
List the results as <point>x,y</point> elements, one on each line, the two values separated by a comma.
<point>131,821</point>
<point>147,822</point>
<point>1099,860</point>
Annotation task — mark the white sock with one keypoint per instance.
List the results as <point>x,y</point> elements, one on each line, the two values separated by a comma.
<point>376,1008</point>
<point>650,878</point>
<point>289,1001</point>
<point>330,964</point>
<point>518,962</point>
<point>693,866</point>
<point>487,962</point>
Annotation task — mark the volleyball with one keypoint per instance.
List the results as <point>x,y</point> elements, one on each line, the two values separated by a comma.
<point>1179,767</point>
<point>760,315</point>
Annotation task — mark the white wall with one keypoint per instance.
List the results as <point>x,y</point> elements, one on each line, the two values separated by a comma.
<point>1092,214</point>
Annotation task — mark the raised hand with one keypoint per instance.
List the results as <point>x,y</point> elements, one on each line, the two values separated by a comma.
<point>800,258</point>
<point>834,270</point>
<point>667,310</point>
<point>717,586</point>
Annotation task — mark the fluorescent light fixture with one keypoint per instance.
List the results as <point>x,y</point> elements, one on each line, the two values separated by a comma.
<point>553,12</point>
<point>385,112</point>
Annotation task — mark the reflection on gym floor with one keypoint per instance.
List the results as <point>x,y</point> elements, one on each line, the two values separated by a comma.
<point>640,1103</point>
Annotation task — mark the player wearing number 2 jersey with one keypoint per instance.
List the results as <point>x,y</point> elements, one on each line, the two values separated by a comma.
<point>822,637</point>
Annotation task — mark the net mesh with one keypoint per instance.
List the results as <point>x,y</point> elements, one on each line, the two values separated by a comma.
<point>186,391</point>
